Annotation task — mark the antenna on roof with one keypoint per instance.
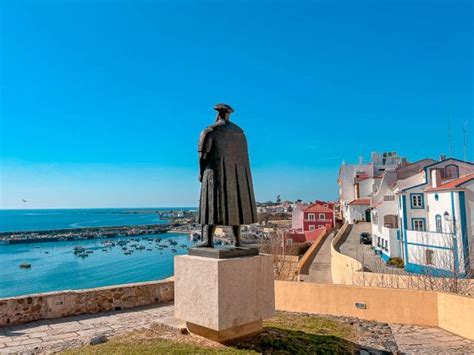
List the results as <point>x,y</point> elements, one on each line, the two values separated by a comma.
<point>450,143</point>
<point>464,133</point>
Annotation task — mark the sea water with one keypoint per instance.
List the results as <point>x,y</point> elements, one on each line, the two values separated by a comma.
<point>49,219</point>
<point>54,266</point>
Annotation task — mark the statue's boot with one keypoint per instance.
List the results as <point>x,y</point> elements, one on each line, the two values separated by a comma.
<point>209,242</point>
<point>236,231</point>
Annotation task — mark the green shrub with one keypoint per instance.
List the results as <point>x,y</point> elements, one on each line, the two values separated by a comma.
<point>396,262</point>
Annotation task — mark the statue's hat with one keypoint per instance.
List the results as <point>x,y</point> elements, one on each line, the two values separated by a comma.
<point>223,107</point>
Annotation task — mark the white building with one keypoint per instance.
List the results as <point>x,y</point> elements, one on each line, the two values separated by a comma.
<point>436,218</point>
<point>384,205</point>
<point>358,182</point>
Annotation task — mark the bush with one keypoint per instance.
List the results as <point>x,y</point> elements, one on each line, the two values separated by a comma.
<point>396,262</point>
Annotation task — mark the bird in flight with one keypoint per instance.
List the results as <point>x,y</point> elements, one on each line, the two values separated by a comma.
<point>24,200</point>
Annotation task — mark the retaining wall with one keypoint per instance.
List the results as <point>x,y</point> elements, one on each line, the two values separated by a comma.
<point>426,308</point>
<point>308,257</point>
<point>23,309</point>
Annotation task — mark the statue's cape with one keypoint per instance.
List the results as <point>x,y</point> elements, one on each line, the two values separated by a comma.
<point>227,196</point>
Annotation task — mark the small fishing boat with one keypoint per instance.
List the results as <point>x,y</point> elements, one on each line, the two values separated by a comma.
<point>127,253</point>
<point>78,250</point>
<point>89,251</point>
<point>25,266</point>
<point>83,255</point>
<point>174,250</point>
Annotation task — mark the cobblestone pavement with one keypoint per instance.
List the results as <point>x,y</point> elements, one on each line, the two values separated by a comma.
<point>412,339</point>
<point>65,333</point>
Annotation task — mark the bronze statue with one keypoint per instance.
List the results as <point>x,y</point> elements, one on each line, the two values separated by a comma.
<point>227,197</point>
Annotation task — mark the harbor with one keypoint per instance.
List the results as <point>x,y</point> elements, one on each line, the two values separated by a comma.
<point>77,264</point>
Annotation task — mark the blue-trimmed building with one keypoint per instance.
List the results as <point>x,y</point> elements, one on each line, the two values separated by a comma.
<point>436,218</point>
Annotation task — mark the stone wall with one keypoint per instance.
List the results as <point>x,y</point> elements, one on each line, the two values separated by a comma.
<point>425,308</point>
<point>23,309</point>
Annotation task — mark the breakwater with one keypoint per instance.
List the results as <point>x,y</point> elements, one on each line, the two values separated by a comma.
<point>81,233</point>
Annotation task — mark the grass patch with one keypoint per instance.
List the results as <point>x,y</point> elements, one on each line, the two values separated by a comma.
<point>286,333</point>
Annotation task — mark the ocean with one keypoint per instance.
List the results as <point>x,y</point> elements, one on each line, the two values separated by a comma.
<point>54,266</point>
<point>36,220</point>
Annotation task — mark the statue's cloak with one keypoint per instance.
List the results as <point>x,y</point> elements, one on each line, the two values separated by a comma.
<point>227,196</point>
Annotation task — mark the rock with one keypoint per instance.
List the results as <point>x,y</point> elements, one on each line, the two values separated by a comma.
<point>183,331</point>
<point>98,340</point>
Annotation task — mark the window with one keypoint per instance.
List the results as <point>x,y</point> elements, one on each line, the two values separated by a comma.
<point>429,256</point>
<point>418,224</point>
<point>451,171</point>
<point>439,224</point>
<point>417,201</point>
<point>325,205</point>
<point>311,228</point>
<point>289,242</point>
<point>322,216</point>
<point>311,217</point>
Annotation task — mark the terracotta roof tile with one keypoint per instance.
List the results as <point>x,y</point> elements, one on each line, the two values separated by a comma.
<point>317,208</point>
<point>313,235</point>
<point>360,202</point>
<point>453,184</point>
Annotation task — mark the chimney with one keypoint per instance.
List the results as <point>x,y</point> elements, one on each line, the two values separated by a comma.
<point>442,157</point>
<point>404,161</point>
<point>435,178</point>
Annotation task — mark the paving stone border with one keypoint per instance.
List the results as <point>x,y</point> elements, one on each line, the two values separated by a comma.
<point>46,336</point>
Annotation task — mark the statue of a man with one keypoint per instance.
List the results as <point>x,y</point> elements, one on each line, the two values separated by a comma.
<point>227,197</point>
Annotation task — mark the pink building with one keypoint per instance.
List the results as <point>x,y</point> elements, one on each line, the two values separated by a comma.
<point>317,216</point>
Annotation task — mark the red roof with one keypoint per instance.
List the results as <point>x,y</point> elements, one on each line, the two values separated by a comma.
<point>297,237</point>
<point>317,208</point>
<point>360,202</point>
<point>453,184</point>
<point>311,236</point>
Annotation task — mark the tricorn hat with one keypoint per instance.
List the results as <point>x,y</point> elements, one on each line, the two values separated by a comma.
<point>223,107</point>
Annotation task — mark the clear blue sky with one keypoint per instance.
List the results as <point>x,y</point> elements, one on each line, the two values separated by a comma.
<point>102,102</point>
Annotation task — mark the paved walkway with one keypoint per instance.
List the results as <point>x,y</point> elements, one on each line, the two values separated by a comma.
<point>320,269</point>
<point>364,253</point>
<point>65,333</point>
<point>412,339</point>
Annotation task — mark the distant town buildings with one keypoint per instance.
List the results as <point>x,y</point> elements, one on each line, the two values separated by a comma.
<point>422,212</point>
<point>309,220</point>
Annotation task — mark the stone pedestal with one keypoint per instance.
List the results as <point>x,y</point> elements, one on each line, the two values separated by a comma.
<point>223,299</point>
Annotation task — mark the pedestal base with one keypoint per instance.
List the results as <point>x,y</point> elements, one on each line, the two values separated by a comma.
<point>227,334</point>
<point>223,299</point>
